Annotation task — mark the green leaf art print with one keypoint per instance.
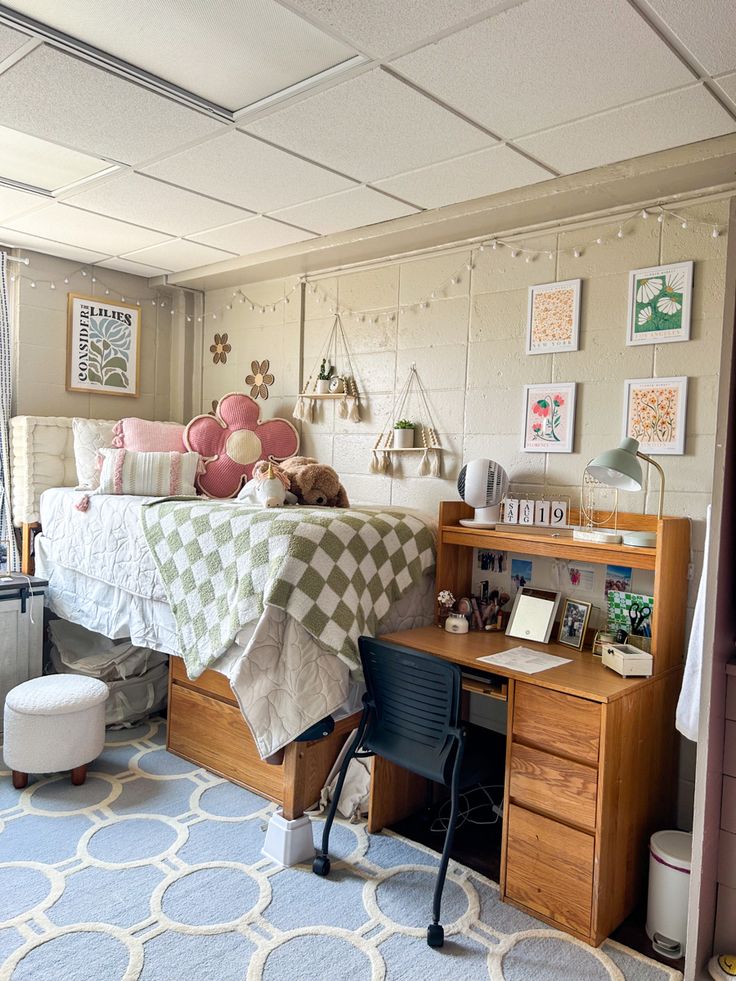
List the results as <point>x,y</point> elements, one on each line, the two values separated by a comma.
<point>109,352</point>
<point>660,304</point>
<point>103,346</point>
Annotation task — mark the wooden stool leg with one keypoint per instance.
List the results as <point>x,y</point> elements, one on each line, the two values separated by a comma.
<point>20,780</point>
<point>79,775</point>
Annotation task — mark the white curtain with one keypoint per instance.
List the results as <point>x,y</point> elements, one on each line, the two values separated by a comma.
<point>7,535</point>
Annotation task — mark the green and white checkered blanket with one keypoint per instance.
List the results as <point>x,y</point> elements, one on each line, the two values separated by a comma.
<point>335,571</point>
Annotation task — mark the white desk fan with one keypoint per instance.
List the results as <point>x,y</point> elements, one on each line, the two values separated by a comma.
<point>483,484</point>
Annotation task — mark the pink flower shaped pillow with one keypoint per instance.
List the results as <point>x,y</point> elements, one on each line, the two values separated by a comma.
<point>233,440</point>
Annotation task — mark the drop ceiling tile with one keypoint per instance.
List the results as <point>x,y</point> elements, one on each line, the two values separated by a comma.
<point>383,26</point>
<point>145,201</point>
<point>39,163</point>
<point>178,254</point>
<point>243,51</point>
<point>546,62</point>
<point>728,85</point>
<point>253,235</point>
<point>247,172</point>
<point>20,240</point>
<point>490,171</point>
<point>135,268</point>
<point>10,41</point>
<point>705,28</point>
<point>86,230</point>
<point>57,97</point>
<point>371,126</point>
<point>655,124</point>
<point>349,209</point>
<point>13,202</point>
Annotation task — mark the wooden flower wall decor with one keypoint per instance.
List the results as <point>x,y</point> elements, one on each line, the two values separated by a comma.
<point>219,349</point>
<point>260,379</point>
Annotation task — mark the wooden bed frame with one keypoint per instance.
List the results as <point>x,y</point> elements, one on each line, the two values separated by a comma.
<point>206,727</point>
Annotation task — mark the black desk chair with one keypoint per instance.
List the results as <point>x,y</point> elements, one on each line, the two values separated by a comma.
<point>411,717</point>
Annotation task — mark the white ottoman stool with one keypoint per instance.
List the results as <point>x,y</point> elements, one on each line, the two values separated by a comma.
<point>54,723</point>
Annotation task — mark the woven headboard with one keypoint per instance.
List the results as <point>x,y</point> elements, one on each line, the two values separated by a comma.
<point>41,456</point>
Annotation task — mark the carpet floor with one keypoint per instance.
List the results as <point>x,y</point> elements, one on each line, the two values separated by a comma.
<point>152,871</point>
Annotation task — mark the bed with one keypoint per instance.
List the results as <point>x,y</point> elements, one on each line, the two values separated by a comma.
<point>103,575</point>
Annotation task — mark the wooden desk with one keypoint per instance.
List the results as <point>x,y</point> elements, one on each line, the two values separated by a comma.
<point>591,761</point>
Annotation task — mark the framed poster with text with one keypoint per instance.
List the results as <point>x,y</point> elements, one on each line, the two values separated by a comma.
<point>103,346</point>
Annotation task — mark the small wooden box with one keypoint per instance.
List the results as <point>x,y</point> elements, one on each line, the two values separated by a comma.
<point>628,661</point>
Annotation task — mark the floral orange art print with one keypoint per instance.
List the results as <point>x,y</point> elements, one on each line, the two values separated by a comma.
<point>549,415</point>
<point>553,322</point>
<point>655,413</point>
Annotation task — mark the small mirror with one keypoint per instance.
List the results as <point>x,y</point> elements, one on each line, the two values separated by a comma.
<point>533,614</point>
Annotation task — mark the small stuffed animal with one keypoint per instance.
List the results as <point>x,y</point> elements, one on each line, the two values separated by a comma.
<point>269,486</point>
<point>314,483</point>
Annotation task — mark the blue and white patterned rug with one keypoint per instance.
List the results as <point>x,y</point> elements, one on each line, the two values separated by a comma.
<point>153,871</point>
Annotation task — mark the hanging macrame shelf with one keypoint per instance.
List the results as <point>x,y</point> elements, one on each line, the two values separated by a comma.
<point>431,448</point>
<point>334,351</point>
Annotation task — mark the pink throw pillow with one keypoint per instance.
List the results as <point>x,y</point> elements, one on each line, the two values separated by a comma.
<point>145,436</point>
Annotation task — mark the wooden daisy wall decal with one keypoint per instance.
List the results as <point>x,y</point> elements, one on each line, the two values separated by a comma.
<point>220,349</point>
<point>260,379</point>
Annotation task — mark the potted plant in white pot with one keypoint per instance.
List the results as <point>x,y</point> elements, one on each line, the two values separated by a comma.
<point>403,434</point>
<point>323,378</point>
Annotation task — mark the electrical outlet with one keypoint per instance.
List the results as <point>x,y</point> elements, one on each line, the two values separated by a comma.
<point>690,570</point>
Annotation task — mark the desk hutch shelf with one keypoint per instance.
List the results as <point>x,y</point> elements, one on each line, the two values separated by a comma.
<point>591,758</point>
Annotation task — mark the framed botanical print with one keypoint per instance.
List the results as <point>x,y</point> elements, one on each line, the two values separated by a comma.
<point>548,423</point>
<point>654,413</point>
<point>553,320</point>
<point>660,299</point>
<point>103,346</point>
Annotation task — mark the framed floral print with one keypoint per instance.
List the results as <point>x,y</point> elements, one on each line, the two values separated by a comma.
<point>660,300</point>
<point>103,346</point>
<point>549,418</point>
<point>553,320</point>
<point>654,413</point>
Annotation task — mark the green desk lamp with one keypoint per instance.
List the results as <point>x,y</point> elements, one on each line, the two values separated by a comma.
<point>620,468</point>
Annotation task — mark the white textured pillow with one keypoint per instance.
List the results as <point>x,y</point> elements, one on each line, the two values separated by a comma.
<point>90,436</point>
<point>148,474</point>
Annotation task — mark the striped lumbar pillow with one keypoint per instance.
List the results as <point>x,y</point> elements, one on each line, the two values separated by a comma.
<point>148,474</point>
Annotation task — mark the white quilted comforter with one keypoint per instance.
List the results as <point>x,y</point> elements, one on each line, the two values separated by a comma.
<point>101,574</point>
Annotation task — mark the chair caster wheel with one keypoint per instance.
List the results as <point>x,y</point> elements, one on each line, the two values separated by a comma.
<point>435,935</point>
<point>321,865</point>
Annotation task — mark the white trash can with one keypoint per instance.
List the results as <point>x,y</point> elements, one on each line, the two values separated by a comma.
<point>670,857</point>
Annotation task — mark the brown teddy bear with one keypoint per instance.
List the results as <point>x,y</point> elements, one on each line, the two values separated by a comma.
<point>314,483</point>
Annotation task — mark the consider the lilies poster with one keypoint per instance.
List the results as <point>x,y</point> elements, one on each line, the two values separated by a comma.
<point>103,346</point>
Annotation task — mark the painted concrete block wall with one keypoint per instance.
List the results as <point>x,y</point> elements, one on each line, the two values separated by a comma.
<point>40,329</point>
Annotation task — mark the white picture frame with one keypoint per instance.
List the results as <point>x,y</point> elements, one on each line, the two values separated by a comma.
<point>548,418</point>
<point>660,304</point>
<point>553,317</point>
<point>533,614</point>
<point>644,424</point>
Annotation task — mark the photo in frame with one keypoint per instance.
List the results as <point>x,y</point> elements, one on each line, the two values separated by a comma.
<point>655,410</point>
<point>574,623</point>
<point>103,346</point>
<point>553,318</point>
<point>660,301</point>
<point>549,418</point>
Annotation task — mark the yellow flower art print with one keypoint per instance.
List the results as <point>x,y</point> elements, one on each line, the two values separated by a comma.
<point>655,414</point>
<point>553,322</point>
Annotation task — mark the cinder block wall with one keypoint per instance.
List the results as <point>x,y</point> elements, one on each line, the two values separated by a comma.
<point>469,348</point>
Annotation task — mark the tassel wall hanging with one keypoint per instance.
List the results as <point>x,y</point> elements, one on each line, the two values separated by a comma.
<point>331,378</point>
<point>400,435</point>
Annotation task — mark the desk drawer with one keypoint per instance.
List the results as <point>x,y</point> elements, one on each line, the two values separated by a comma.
<point>549,869</point>
<point>556,722</point>
<point>555,785</point>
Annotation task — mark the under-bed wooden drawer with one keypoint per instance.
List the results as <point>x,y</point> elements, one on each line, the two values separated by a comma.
<point>213,734</point>
<point>211,682</point>
<point>549,869</point>
<point>560,787</point>
<point>558,723</point>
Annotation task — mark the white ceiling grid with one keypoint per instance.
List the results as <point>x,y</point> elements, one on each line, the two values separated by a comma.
<point>372,112</point>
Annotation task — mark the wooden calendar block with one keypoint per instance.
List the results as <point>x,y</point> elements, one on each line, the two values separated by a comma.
<point>558,514</point>
<point>526,512</point>
<point>542,511</point>
<point>510,511</point>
